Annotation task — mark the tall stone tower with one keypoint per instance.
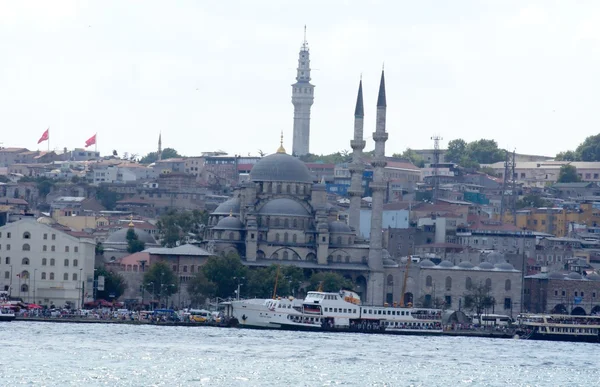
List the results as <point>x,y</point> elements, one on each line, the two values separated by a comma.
<point>159,154</point>
<point>357,168</point>
<point>302,99</point>
<point>378,186</point>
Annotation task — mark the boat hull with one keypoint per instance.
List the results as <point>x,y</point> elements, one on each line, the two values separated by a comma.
<point>565,337</point>
<point>7,317</point>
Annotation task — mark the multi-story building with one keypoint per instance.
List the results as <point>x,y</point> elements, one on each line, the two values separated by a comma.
<point>543,173</point>
<point>504,238</point>
<point>44,265</point>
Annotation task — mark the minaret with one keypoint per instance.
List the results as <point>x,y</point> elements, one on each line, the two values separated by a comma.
<point>378,186</point>
<point>357,168</point>
<point>302,98</point>
<point>159,146</point>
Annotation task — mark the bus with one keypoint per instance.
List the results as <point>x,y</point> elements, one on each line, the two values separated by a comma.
<point>492,320</point>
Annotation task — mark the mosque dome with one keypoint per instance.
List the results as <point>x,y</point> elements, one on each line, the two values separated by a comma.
<point>574,276</point>
<point>504,266</point>
<point>339,227</point>
<point>466,265</point>
<point>283,206</point>
<point>486,266</point>
<point>280,167</point>
<point>231,206</point>
<point>229,223</point>
<point>556,275</point>
<point>446,264</point>
<point>120,236</point>
<point>427,263</point>
<point>495,257</point>
<point>593,277</point>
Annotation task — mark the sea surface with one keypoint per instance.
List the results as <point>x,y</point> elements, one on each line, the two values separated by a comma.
<point>52,354</point>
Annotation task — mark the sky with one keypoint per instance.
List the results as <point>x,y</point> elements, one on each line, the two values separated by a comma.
<point>217,75</point>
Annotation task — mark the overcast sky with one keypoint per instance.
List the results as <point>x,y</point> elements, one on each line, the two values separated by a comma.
<point>217,75</point>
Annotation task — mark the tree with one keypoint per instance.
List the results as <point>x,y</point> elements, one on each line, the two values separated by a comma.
<point>99,248</point>
<point>107,198</point>
<point>566,156</point>
<point>329,282</point>
<point>133,243</point>
<point>478,299</point>
<point>224,272</point>
<point>485,151</point>
<point>199,288</point>
<point>261,281</point>
<point>568,174</point>
<point>412,156</point>
<point>456,150</point>
<point>176,226</point>
<point>589,149</point>
<point>114,284</point>
<point>533,200</point>
<point>160,280</point>
<point>167,153</point>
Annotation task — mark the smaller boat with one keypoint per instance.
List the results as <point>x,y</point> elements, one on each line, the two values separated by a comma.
<point>6,314</point>
<point>558,327</point>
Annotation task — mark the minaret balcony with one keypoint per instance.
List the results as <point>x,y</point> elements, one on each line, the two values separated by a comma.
<point>380,136</point>
<point>358,144</point>
<point>378,163</point>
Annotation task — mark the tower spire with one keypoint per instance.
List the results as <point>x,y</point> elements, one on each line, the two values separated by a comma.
<point>302,99</point>
<point>281,149</point>
<point>159,153</point>
<point>357,167</point>
<point>381,102</point>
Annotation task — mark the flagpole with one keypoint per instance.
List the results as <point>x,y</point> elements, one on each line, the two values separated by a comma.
<point>48,139</point>
<point>96,142</point>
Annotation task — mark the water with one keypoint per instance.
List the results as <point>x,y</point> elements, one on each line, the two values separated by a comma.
<point>46,354</point>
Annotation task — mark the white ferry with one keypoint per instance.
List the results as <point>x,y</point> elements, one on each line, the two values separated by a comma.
<point>335,312</point>
<point>6,314</point>
<point>559,327</point>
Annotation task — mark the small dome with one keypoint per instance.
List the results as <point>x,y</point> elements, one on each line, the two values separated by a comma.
<point>120,236</point>
<point>446,264</point>
<point>593,277</point>
<point>229,223</point>
<point>427,263</point>
<point>574,276</point>
<point>280,167</point>
<point>283,207</point>
<point>556,275</point>
<point>486,266</point>
<point>504,266</point>
<point>466,265</point>
<point>231,206</point>
<point>495,257</point>
<point>339,227</point>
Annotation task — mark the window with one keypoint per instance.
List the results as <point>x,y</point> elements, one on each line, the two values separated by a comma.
<point>285,237</point>
<point>51,276</point>
<point>448,301</point>
<point>66,277</point>
<point>24,274</point>
<point>8,235</point>
<point>285,255</point>
<point>24,288</point>
<point>74,276</point>
<point>468,283</point>
<point>52,248</point>
<point>53,237</point>
<point>488,283</point>
<point>185,268</point>
<point>428,281</point>
<point>26,235</point>
<point>45,237</point>
<point>44,248</point>
<point>25,261</point>
<point>390,280</point>
<point>7,274</point>
<point>294,238</point>
<point>339,240</point>
<point>507,285</point>
<point>76,249</point>
<point>75,263</point>
<point>44,261</point>
<point>7,247</point>
<point>52,262</point>
<point>66,263</point>
<point>66,249</point>
<point>276,237</point>
<point>448,283</point>
<point>507,303</point>
<point>231,235</point>
<point>7,260</point>
<point>26,247</point>
<point>43,275</point>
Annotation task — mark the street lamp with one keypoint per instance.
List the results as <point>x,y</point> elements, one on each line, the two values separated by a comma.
<point>239,283</point>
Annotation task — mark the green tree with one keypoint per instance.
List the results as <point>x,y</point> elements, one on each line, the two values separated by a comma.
<point>532,200</point>
<point>176,226</point>
<point>478,299</point>
<point>225,272</point>
<point>412,156</point>
<point>456,150</point>
<point>160,280</point>
<point>134,245</point>
<point>114,284</point>
<point>107,198</point>
<point>261,281</point>
<point>329,282</point>
<point>589,149</point>
<point>99,248</point>
<point>167,153</point>
<point>199,288</point>
<point>568,174</point>
<point>567,156</point>
<point>485,151</point>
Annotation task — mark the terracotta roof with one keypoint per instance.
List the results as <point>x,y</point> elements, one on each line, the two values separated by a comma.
<point>135,258</point>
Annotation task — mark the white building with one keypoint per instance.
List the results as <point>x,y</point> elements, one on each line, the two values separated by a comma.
<point>43,265</point>
<point>390,218</point>
<point>542,173</point>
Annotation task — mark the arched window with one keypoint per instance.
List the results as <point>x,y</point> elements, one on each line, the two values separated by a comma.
<point>24,288</point>
<point>66,276</point>
<point>24,275</point>
<point>26,247</point>
<point>339,240</point>
<point>448,283</point>
<point>285,237</point>
<point>276,222</point>
<point>25,261</point>
<point>74,276</point>
<point>66,263</point>
<point>277,237</point>
<point>7,260</point>
<point>52,262</point>
<point>429,281</point>
<point>44,261</point>
<point>390,280</point>
<point>26,235</point>
<point>75,263</point>
<point>51,276</point>
<point>285,255</point>
<point>278,188</point>
<point>294,238</point>
<point>339,258</point>
<point>286,223</point>
<point>43,275</point>
<point>468,283</point>
<point>275,256</point>
<point>507,285</point>
<point>295,223</point>
<point>347,259</point>
<point>288,189</point>
<point>185,268</point>
<point>488,283</point>
<point>231,235</point>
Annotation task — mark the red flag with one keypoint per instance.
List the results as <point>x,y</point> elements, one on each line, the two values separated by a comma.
<point>45,136</point>
<point>90,141</point>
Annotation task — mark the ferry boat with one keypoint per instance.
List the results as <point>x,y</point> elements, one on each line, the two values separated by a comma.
<point>6,314</point>
<point>557,327</point>
<point>326,311</point>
